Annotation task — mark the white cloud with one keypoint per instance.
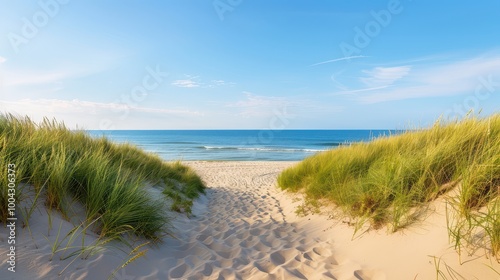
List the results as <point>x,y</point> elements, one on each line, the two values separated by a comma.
<point>338,59</point>
<point>194,82</point>
<point>253,100</point>
<point>445,79</point>
<point>256,105</point>
<point>220,83</point>
<point>384,76</point>
<point>360,90</point>
<point>43,71</point>
<point>25,106</point>
<point>187,83</point>
<point>268,106</point>
<point>334,79</point>
<point>25,76</point>
<point>84,114</point>
<point>2,59</point>
<point>24,79</point>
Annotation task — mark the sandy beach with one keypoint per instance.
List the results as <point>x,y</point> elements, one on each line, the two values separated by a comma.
<point>246,228</point>
<point>235,140</point>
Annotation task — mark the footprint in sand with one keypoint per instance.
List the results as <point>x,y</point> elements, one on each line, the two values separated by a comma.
<point>243,235</point>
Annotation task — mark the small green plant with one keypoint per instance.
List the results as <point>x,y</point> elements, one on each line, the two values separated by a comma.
<point>133,255</point>
<point>180,203</point>
<point>475,229</point>
<point>442,274</point>
<point>309,206</point>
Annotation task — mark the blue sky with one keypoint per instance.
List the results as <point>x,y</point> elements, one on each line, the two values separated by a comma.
<point>249,64</point>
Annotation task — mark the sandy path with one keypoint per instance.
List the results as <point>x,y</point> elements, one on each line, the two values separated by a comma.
<point>243,233</point>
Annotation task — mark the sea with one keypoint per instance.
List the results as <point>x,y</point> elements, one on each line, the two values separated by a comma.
<point>239,145</point>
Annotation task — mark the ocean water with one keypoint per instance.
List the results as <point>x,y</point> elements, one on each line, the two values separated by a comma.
<point>266,145</point>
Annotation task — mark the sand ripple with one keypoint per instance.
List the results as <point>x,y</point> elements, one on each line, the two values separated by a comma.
<point>243,232</point>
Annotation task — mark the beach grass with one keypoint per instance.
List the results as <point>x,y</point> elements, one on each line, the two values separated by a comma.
<point>109,179</point>
<point>389,180</point>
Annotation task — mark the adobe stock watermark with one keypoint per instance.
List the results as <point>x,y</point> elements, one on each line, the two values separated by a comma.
<point>31,26</point>
<point>363,36</point>
<point>11,217</point>
<point>484,89</point>
<point>151,81</point>
<point>223,6</point>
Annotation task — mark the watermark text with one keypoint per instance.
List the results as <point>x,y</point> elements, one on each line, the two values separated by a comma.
<point>11,218</point>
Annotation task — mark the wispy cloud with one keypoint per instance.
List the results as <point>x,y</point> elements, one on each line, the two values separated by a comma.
<point>253,100</point>
<point>346,92</point>
<point>453,78</point>
<point>2,59</point>
<point>25,106</point>
<point>334,78</point>
<point>194,82</point>
<point>254,105</point>
<point>220,83</point>
<point>339,59</point>
<point>187,83</point>
<point>32,78</point>
<point>257,105</point>
<point>25,75</point>
<point>384,76</point>
<point>374,79</point>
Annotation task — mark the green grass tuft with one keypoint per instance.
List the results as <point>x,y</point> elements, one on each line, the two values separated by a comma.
<point>389,180</point>
<point>109,179</point>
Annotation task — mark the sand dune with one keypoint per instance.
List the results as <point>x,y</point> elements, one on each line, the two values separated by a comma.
<point>245,228</point>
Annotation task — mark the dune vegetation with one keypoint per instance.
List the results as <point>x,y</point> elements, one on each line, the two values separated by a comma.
<point>110,180</point>
<point>389,181</point>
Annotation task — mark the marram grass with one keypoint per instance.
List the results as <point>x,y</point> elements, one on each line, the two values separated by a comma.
<point>108,179</point>
<point>388,180</point>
